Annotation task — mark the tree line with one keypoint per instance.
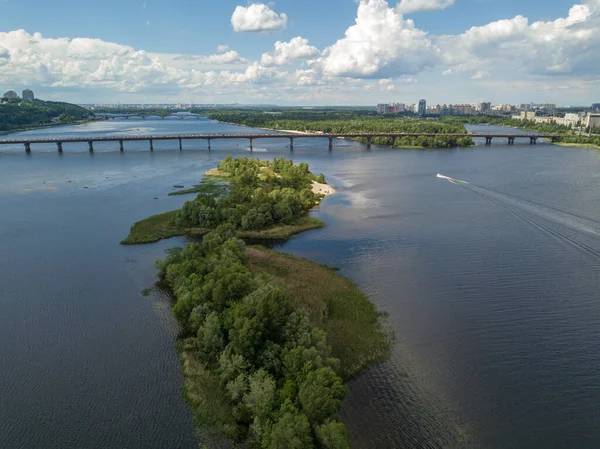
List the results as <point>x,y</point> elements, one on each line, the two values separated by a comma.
<point>567,133</point>
<point>16,113</point>
<point>352,122</point>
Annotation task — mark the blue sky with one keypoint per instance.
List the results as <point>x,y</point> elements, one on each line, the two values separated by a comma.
<point>520,51</point>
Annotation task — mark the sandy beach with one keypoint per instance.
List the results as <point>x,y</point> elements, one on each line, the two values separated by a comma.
<point>322,189</point>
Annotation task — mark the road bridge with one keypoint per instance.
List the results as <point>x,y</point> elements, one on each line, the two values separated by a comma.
<point>146,116</point>
<point>59,141</point>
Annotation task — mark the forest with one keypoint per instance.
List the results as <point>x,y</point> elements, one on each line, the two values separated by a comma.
<point>352,122</point>
<point>17,114</point>
<point>261,194</point>
<point>274,380</point>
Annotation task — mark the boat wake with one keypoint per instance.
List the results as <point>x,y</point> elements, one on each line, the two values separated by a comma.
<point>531,211</point>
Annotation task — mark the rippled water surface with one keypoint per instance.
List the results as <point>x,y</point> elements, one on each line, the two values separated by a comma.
<point>489,277</point>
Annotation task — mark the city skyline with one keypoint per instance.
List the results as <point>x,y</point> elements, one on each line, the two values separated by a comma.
<point>343,52</point>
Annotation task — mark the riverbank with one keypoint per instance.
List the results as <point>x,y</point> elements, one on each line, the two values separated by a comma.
<point>344,122</point>
<point>48,125</point>
<point>577,145</point>
<point>161,226</point>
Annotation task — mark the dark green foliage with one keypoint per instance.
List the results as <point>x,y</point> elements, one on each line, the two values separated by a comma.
<point>332,435</point>
<point>291,431</point>
<point>261,194</point>
<point>15,114</point>
<point>321,395</point>
<point>272,364</point>
<point>353,122</point>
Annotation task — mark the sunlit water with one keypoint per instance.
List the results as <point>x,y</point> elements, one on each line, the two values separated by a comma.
<point>490,281</point>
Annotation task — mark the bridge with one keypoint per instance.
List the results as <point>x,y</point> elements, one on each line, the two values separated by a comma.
<point>145,116</point>
<point>59,141</point>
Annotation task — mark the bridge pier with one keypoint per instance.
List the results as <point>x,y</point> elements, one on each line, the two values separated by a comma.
<point>291,144</point>
<point>251,148</point>
<point>331,144</point>
<point>27,147</point>
<point>121,148</point>
<point>91,146</point>
<point>532,140</point>
<point>488,141</point>
<point>59,146</point>
<point>393,141</point>
<point>180,145</point>
<point>511,140</point>
<point>151,145</point>
<point>208,141</point>
<point>369,143</point>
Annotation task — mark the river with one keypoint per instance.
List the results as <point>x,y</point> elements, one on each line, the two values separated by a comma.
<point>490,285</point>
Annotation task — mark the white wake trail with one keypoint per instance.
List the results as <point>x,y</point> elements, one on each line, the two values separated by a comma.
<point>573,220</point>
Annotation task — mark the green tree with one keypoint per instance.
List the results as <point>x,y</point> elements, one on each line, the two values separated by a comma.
<point>321,395</point>
<point>210,338</point>
<point>332,435</point>
<point>291,431</point>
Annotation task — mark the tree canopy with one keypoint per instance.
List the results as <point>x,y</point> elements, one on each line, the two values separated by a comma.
<point>261,194</point>
<point>272,364</point>
<point>352,122</point>
<point>15,114</point>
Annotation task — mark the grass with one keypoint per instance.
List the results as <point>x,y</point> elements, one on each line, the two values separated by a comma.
<point>159,227</point>
<point>204,394</point>
<point>334,304</point>
<point>578,145</point>
<point>209,185</point>
<point>282,232</point>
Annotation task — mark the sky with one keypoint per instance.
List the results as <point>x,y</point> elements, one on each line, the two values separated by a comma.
<point>303,52</point>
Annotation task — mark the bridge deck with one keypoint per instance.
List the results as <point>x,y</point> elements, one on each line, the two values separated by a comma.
<point>266,136</point>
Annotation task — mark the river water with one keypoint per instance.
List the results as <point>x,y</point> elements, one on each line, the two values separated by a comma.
<point>491,286</point>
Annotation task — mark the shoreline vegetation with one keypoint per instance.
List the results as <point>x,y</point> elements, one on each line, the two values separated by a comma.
<point>228,195</point>
<point>19,115</point>
<point>578,145</point>
<point>311,122</point>
<point>267,339</point>
<point>569,137</point>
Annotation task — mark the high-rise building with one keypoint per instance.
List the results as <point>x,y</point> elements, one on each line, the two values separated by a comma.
<point>592,120</point>
<point>28,95</point>
<point>485,107</point>
<point>11,95</point>
<point>381,108</point>
<point>596,107</point>
<point>422,109</point>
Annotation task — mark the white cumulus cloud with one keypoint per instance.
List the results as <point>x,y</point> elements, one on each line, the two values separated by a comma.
<point>287,52</point>
<point>564,46</point>
<point>381,44</point>
<point>223,48</point>
<point>257,17</point>
<point>229,57</point>
<point>408,6</point>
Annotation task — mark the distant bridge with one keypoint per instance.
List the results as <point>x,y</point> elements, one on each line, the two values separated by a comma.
<point>144,116</point>
<point>59,141</point>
